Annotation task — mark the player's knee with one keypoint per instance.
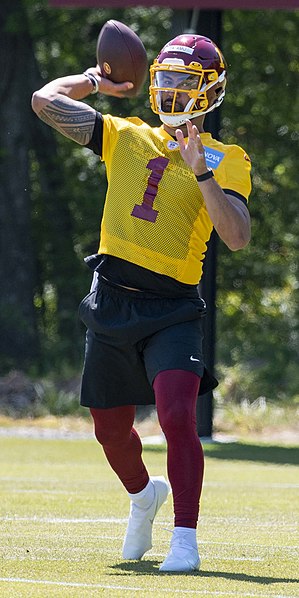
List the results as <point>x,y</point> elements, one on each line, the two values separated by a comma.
<point>176,420</point>
<point>106,437</point>
<point>112,427</point>
<point>105,433</point>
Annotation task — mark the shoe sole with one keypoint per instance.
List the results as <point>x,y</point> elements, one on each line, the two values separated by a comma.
<point>187,570</point>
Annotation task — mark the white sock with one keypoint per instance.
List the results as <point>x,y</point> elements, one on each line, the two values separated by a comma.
<point>189,534</point>
<point>145,497</point>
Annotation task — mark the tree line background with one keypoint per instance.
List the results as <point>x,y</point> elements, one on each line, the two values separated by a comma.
<point>52,193</point>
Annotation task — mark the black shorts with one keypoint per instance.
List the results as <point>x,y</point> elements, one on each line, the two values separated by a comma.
<point>131,337</point>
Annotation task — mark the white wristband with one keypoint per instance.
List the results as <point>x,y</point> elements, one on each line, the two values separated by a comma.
<point>93,81</point>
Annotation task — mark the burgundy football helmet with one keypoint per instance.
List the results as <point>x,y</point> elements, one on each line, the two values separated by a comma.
<point>192,65</point>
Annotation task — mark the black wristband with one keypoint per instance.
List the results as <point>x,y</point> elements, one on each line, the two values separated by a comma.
<point>205,176</point>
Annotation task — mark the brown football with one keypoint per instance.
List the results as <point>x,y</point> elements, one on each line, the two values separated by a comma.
<point>121,55</point>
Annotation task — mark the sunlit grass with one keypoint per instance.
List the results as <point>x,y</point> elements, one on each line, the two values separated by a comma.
<point>63,515</point>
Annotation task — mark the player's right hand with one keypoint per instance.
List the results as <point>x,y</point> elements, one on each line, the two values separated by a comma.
<point>107,87</point>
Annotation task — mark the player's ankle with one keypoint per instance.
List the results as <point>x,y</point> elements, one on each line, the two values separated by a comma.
<point>188,533</point>
<point>145,497</point>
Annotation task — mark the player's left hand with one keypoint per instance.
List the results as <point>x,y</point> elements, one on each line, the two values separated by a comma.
<point>193,152</point>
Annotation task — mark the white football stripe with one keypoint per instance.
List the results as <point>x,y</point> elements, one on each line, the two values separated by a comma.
<point>132,588</point>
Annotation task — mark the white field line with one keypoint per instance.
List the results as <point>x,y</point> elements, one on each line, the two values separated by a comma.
<point>59,520</point>
<point>41,491</point>
<point>135,588</point>
<point>208,558</point>
<point>267,549</point>
<point>110,520</point>
<point>204,521</point>
<point>229,484</point>
<point>44,483</point>
<point>208,543</point>
<point>83,493</point>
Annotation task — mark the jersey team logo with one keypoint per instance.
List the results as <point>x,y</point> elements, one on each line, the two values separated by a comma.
<point>172,145</point>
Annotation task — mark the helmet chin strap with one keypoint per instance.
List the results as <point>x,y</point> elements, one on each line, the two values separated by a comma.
<point>177,121</point>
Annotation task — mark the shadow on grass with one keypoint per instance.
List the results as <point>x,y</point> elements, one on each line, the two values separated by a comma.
<point>238,451</point>
<point>245,577</point>
<point>151,567</point>
<point>148,567</point>
<point>253,452</point>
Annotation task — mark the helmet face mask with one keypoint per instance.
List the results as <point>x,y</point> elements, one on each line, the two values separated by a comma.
<point>187,79</point>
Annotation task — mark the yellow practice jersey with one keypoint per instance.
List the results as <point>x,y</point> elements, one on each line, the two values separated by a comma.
<point>154,214</point>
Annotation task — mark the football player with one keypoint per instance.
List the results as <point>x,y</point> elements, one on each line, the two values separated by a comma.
<point>168,186</point>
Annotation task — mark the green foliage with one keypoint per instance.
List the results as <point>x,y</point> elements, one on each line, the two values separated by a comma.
<point>257,297</point>
<point>61,402</point>
<point>258,287</point>
<point>66,213</point>
<point>246,419</point>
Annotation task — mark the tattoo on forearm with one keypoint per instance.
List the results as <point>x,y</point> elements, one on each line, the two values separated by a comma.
<point>71,118</point>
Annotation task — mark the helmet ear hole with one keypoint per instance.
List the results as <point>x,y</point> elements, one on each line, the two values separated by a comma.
<point>218,90</point>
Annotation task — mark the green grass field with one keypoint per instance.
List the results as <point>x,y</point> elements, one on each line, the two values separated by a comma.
<point>63,516</point>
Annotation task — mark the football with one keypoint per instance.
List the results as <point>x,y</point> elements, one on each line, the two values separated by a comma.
<point>121,55</point>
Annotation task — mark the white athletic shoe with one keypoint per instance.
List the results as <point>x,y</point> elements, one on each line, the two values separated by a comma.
<point>138,538</point>
<point>182,557</point>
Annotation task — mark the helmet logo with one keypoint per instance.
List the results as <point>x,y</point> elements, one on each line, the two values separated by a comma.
<point>107,68</point>
<point>203,104</point>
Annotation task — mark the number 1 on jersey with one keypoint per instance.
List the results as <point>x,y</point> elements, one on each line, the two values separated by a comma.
<point>145,211</point>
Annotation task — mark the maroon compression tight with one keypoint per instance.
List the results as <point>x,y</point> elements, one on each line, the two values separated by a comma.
<point>176,394</point>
